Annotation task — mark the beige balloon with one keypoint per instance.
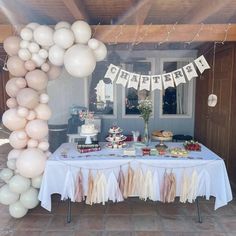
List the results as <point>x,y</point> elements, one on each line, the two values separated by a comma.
<point>36,181</point>
<point>30,65</point>
<point>37,129</point>
<point>7,197</point>
<point>43,112</point>
<point>32,143</point>
<point>31,116</point>
<point>28,98</point>
<point>12,121</point>
<point>12,45</point>
<point>16,66</point>
<point>14,154</point>
<point>13,86</point>
<point>44,146</point>
<point>11,103</point>
<point>45,67</point>
<point>44,98</point>
<point>37,79</point>
<point>22,111</point>
<point>17,210</point>
<point>54,72</point>
<point>18,139</point>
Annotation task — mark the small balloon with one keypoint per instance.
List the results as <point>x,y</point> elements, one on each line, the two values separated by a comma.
<point>22,112</point>
<point>62,24</point>
<point>44,146</point>
<point>93,43</point>
<point>19,184</point>
<point>11,164</point>
<point>14,154</point>
<point>32,143</point>
<point>6,174</point>
<point>43,112</point>
<point>32,25</point>
<point>24,44</point>
<point>29,199</point>
<point>56,55</point>
<point>37,129</point>
<point>26,34</point>
<point>11,103</point>
<point>45,67</point>
<point>82,31</point>
<point>24,54</point>
<point>7,197</point>
<point>37,181</point>
<point>12,45</point>
<point>30,65</point>
<point>37,59</point>
<point>18,139</point>
<point>33,47</point>
<point>100,52</point>
<point>54,72</point>
<point>43,53</point>
<point>31,116</point>
<point>43,35</point>
<point>44,98</point>
<point>13,86</point>
<point>63,38</point>
<point>17,210</point>
<point>16,66</point>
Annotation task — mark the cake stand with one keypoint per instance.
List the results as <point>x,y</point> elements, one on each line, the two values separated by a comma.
<point>161,144</point>
<point>88,137</point>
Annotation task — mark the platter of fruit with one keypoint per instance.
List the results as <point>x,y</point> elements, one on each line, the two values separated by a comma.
<point>178,152</point>
<point>192,145</point>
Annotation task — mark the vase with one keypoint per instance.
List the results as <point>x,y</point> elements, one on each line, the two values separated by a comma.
<point>146,134</point>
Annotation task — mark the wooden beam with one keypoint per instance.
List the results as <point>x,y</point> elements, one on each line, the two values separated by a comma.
<point>5,31</point>
<point>77,9</point>
<point>203,10</point>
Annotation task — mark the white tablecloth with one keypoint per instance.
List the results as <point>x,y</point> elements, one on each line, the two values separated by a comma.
<point>60,172</point>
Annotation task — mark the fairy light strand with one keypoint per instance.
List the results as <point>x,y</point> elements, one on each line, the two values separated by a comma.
<point>95,29</point>
<point>169,32</point>
<point>196,35</point>
<point>144,35</point>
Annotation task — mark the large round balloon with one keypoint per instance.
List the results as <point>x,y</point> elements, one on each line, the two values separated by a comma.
<point>79,61</point>
<point>62,24</point>
<point>37,79</point>
<point>56,55</point>
<point>43,112</point>
<point>12,121</point>
<point>17,210</point>
<point>7,197</point>
<point>18,139</point>
<point>27,97</point>
<point>19,184</point>
<point>54,72</point>
<point>14,154</point>
<point>12,45</point>
<point>43,35</point>
<point>16,66</point>
<point>13,85</point>
<point>82,31</point>
<point>6,174</point>
<point>37,129</point>
<point>63,38</point>
<point>100,52</point>
<point>29,199</point>
<point>31,162</point>
<point>36,182</point>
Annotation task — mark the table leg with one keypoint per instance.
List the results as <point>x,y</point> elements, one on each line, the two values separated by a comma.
<point>198,211</point>
<point>69,211</point>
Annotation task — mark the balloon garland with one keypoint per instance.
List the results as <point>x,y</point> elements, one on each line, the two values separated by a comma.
<point>35,57</point>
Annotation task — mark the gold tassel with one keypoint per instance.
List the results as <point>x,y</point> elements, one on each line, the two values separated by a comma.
<point>79,194</point>
<point>90,188</point>
<point>172,188</point>
<point>121,181</point>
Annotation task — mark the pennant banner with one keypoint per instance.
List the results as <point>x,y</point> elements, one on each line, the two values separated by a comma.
<point>134,81</point>
<point>178,76</point>
<point>190,71</point>
<point>112,72</point>
<point>156,82</point>
<point>145,82</point>
<point>123,77</point>
<point>167,80</point>
<point>201,64</point>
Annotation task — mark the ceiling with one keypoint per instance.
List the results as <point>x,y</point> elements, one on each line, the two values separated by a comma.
<point>106,12</point>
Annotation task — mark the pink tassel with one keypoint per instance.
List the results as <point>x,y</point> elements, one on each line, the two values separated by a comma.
<point>90,188</point>
<point>121,181</point>
<point>79,194</point>
<point>172,188</point>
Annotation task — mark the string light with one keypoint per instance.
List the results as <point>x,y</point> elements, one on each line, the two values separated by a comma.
<point>226,33</point>
<point>95,30</point>
<point>144,35</point>
<point>169,32</point>
<point>121,27</point>
<point>196,35</point>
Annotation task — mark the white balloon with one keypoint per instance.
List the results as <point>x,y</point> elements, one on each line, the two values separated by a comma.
<point>17,210</point>
<point>18,139</point>
<point>29,199</point>
<point>79,61</point>
<point>37,129</point>
<point>43,35</point>
<point>24,54</point>
<point>63,38</point>
<point>19,184</point>
<point>7,197</point>
<point>44,146</point>
<point>22,111</point>
<point>43,53</point>
<point>32,25</point>
<point>45,67</point>
<point>33,47</point>
<point>44,98</point>
<point>37,59</point>
<point>62,24</point>
<point>14,154</point>
<point>32,143</point>
<point>93,43</point>
<point>82,31</point>
<point>31,162</point>
<point>56,55</point>
<point>37,181</point>
<point>24,44</point>
<point>101,52</point>
<point>11,164</point>
<point>26,34</point>
<point>6,174</point>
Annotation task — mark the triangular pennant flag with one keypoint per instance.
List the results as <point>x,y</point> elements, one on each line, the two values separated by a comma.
<point>156,82</point>
<point>201,64</point>
<point>190,71</point>
<point>145,82</point>
<point>133,81</point>
<point>123,77</point>
<point>167,80</point>
<point>178,76</point>
<point>112,72</point>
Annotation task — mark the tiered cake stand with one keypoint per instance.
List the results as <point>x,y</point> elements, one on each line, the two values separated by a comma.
<point>88,139</point>
<point>113,140</point>
<point>161,143</point>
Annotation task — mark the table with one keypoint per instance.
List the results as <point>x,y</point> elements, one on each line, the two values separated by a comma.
<point>60,172</point>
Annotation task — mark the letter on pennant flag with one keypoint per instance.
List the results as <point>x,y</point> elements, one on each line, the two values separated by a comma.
<point>201,64</point>
<point>112,72</point>
<point>145,82</point>
<point>167,80</point>
<point>156,82</point>
<point>190,71</point>
<point>123,77</point>
<point>133,81</point>
<point>178,76</point>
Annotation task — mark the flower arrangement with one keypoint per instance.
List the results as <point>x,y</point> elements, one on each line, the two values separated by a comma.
<point>86,115</point>
<point>145,108</point>
<point>192,145</point>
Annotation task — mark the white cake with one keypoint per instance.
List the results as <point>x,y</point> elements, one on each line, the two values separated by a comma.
<point>88,129</point>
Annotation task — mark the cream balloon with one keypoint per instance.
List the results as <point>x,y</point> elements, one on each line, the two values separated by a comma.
<point>54,72</point>
<point>7,197</point>
<point>100,52</point>
<point>79,61</point>
<point>43,112</point>
<point>31,116</point>
<point>33,47</point>
<point>43,35</point>
<point>48,153</point>
<point>31,162</point>
<point>13,86</point>
<point>93,43</point>
<point>30,65</point>
<point>56,55</point>
<point>82,31</point>
<point>62,24</point>
<point>37,181</point>
<point>16,66</point>
<point>26,34</point>
<point>37,79</point>
<point>14,154</point>
<point>12,45</point>
<point>12,121</point>
<point>37,129</point>
<point>63,38</point>
<point>32,25</point>
<point>20,82</point>
<point>24,44</point>
<point>22,112</point>
<point>6,174</point>
<point>37,59</point>
<point>32,143</point>
<point>29,199</point>
<point>24,54</point>
<point>18,139</point>
<point>11,103</point>
<point>44,98</point>
<point>45,67</point>
<point>17,210</point>
<point>27,97</point>
<point>43,53</point>
<point>11,164</point>
<point>19,184</point>
<point>44,146</point>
